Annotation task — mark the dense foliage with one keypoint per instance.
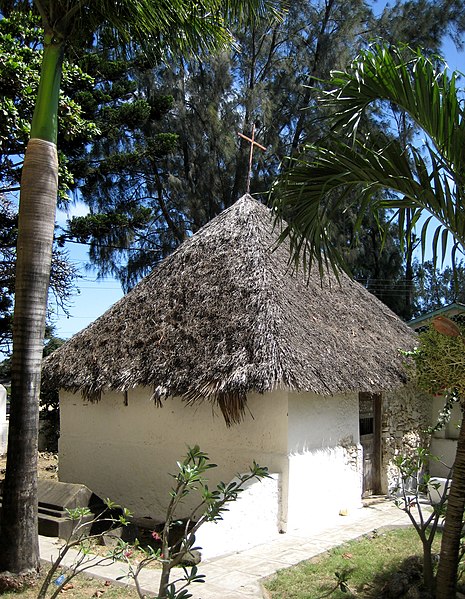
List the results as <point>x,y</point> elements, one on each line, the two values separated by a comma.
<point>20,59</point>
<point>440,362</point>
<point>173,159</point>
<point>424,176</point>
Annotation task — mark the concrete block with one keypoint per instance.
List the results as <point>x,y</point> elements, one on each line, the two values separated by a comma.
<point>55,498</point>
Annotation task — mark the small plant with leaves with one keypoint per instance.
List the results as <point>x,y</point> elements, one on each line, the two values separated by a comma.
<point>414,498</point>
<point>82,540</point>
<point>341,584</point>
<point>211,505</point>
<point>172,549</point>
<point>440,369</point>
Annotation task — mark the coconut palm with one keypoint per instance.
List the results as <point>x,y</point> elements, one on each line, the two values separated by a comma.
<point>160,27</point>
<point>425,176</point>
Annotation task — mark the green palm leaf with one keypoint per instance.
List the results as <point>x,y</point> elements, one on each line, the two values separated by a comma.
<point>427,177</point>
<point>160,26</point>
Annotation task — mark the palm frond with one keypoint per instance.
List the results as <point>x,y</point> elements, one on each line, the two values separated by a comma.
<point>308,195</point>
<point>426,177</point>
<point>159,26</point>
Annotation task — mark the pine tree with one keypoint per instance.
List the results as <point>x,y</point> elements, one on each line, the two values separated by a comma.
<point>266,82</point>
<point>205,169</point>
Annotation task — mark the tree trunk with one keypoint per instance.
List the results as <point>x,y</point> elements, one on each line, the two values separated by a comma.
<point>164,581</point>
<point>19,550</point>
<point>428,576</point>
<point>446,579</point>
<point>409,251</point>
<point>19,546</point>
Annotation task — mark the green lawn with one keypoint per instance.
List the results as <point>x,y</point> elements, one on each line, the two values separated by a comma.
<point>369,562</point>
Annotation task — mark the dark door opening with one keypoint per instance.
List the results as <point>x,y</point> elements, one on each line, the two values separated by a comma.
<point>370,440</point>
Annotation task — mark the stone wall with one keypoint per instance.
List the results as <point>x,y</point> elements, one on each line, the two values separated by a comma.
<point>406,414</point>
<point>353,454</point>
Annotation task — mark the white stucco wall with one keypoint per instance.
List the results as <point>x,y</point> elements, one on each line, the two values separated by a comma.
<point>309,443</point>
<point>322,482</point>
<point>126,452</point>
<point>445,450</point>
<point>444,442</point>
<point>250,521</point>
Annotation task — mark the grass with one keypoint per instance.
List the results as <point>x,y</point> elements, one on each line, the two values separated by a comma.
<point>369,562</point>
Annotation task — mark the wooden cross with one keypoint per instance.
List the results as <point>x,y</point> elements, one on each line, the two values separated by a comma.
<point>252,144</point>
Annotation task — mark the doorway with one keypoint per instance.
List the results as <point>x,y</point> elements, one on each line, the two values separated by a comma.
<point>370,440</point>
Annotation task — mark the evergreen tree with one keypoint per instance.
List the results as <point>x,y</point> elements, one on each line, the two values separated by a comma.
<point>21,43</point>
<point>266,82</point>
<point>437,288</point>
<point>205,168</point>
<point>422,23</point>
<point>122,178</point>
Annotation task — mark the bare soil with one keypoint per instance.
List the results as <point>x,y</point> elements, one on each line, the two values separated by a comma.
<point>47,466</point>
<point>81,587</point>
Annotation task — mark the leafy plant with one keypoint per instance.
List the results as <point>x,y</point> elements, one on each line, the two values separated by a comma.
<point>82,539</point>
<point>414,486</point>
<point>211,506</point>
<point>342,577</point>
<point>419,178</point>
<point>172,549</point>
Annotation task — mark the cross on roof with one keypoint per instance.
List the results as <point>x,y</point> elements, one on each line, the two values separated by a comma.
<point>252,144</point>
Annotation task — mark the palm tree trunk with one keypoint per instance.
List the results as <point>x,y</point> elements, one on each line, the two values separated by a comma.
<point>19,549</point>
<point>446,579</point>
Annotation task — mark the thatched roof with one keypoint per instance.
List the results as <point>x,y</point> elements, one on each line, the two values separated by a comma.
<point>224,315</point>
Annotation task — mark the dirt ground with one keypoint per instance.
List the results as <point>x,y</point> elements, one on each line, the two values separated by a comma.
<point>47,468</point>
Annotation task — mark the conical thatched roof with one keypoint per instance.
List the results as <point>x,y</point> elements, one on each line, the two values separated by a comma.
<point>224,315</point>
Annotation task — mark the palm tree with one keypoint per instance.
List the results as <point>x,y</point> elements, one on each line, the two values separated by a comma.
<point>160,27</point>
<point>426,176</point>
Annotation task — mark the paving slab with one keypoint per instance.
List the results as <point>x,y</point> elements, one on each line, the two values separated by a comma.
<point>262,568</point>
<point>239,575</point>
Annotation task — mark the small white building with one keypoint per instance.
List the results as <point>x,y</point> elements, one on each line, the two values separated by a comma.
<point>225,346</point>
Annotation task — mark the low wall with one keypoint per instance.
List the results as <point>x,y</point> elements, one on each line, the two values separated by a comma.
<point>251,520</point>
<point>444,441</point>
<point>444,450</point>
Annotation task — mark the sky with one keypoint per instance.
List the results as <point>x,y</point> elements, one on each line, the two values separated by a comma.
<point>94,296</point>
<point>91,299</point>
